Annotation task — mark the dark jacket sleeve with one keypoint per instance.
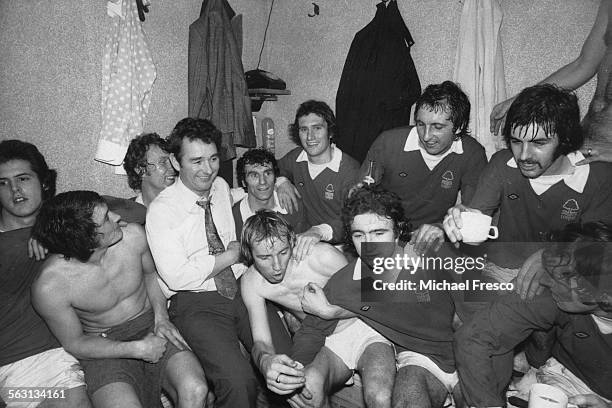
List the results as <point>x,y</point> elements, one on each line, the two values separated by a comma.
<point>310,338</point>
<point>285,165</point>
<point>488,195</point>
<point>475,165</point>
<point>484,345</point>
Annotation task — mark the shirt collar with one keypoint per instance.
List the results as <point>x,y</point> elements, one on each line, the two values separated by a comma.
<point>412,144</point>
<point>138,198</point>
<point>333,164</point>
<point>246,212</point>
<point>576,180</point>
<point>357,270</point>
<point>188,198</point>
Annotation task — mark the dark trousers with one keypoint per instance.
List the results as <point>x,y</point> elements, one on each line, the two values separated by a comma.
<point>213,326</point>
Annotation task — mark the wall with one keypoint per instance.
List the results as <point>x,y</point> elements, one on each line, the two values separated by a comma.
<point>50,62</point>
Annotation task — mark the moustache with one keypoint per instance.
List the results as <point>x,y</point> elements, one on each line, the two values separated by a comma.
<point>529,162</point>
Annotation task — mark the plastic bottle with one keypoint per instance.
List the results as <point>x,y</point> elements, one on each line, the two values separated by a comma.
<point>267,134</point>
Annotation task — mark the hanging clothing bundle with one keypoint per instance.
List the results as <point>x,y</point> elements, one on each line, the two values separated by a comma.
<point>128,74</point>
<point>479,66</point>
<point>379,82</point>
<point>217,87</point>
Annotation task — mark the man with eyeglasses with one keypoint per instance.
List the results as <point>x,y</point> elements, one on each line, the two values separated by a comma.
<point>147,164</point>
<point>577,308</point>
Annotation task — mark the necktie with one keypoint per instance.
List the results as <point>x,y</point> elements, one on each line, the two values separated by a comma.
<point>224,280</point>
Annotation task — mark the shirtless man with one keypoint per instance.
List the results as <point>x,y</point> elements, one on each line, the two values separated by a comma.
<point>266,245</point>
<point>100,296</point>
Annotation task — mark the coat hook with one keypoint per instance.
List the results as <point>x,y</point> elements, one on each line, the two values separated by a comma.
<point>315,11</point>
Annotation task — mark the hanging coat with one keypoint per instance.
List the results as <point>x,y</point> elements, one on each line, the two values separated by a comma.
<point>217,89</point>
<point>379,82</point>
<point>479,66</point>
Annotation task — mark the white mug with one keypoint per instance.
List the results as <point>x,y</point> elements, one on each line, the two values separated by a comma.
<point>546,396</point>
<point>477,228</point>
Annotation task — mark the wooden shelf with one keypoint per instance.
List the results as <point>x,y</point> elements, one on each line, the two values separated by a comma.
<point>260,95</point>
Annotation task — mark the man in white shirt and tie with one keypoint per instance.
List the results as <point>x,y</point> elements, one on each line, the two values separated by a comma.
<point>192,236</point>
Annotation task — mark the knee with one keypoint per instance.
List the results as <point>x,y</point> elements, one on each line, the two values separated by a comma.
<point>77,398</point>
<point>379,398</point>
<point>194,390</point>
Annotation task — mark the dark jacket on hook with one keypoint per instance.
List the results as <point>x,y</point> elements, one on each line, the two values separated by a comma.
<point>217,88</point>
<point>379,82</point>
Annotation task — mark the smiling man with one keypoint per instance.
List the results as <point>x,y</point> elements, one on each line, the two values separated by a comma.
<point>535,184</point>
<point>100,296</point>
<point>192,235</point>
<point>429,164</point>
<point>577,308</point>
<point>257,171</point>
<point>147,164</point>
<point>319,170</point>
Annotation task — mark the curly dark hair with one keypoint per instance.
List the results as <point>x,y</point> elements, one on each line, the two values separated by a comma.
<point>590,243</point>
<point>192,129</point>
<point>319,108</point>
<point>65,226</point>
<point>264,224</point>
<point>553,109</point>
<point>447,97</point>
<point>254,157</point>
<point>135,162</point>
<point>18,150</point>
<point>377,201</point>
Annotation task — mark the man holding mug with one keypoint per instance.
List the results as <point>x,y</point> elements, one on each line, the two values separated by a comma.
<point>535,185</point>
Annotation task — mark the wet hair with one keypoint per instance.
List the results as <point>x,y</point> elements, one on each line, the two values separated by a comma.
<point>377,201</point>
<point>192,129</point>
<point>319,108</point>
<point>254,157</point>
<point>553,109</point>
<point>263,225</point>
<point>447,97</point>
<point>135,162</point>
<point>590,243</point>
<point>65,225</point>
<point>18,150</point>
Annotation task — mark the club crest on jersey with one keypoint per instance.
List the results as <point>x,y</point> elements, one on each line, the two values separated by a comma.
<point>447,179</point>
<point>570,210</point>
<point>329,192</point>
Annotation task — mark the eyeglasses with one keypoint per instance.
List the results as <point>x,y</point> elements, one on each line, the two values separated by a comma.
<point>162,165</point>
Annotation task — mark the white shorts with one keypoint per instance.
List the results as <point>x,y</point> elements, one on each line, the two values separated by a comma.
<point>410,358</point>
<point>350,340</point>
<point>52,368</point>
<point>556,374</point>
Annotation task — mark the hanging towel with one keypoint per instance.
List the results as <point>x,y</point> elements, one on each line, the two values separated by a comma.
<point>128,74</point>
<point>217,89</point>
<point>479,66</point>
<point>379,82</point>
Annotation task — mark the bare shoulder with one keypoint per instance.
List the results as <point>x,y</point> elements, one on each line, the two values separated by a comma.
<point>134,236</point>
<point>325,257</point>
<point>53,277</point>
<point>250,285</point>
<point>251,279</point>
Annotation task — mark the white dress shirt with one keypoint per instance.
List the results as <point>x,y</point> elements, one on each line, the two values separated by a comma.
<point>176,233</point>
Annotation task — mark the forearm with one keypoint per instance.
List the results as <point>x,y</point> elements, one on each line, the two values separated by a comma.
<point>571,76</point>
<point>222,261</point>
<point>260,351</point>
<point>90,347</point>
<point>156,297</point>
